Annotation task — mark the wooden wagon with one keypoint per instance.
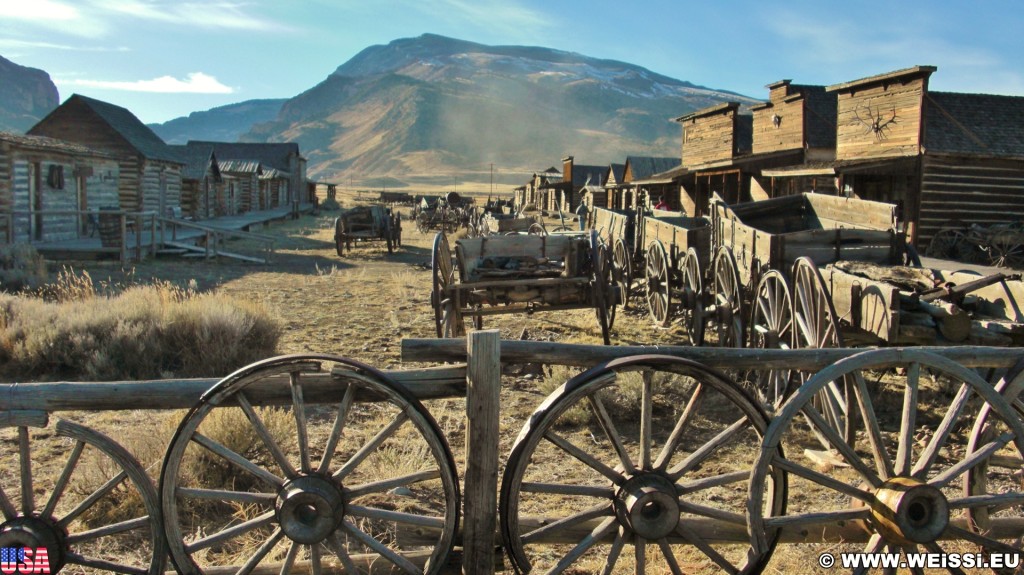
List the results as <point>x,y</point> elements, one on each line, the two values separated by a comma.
<point>502,224</point>
<point>367,224</point>
<point>493,275</point>
<point>618,231</point>
<point>674,262</point>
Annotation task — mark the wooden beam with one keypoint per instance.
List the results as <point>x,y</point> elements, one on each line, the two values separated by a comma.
<point>483,410</point>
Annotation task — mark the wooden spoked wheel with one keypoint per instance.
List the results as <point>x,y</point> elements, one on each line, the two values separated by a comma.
<point>728,316</point>
<point>638,465</point>
<point>816,327</point>
<point>771,327</point>
<point>341,469</point>
<point>659,289</point>
<point>602,286</point>
<point>537,229</point>
<point>903,490</point>
<point>97,512</point>
<point>447,314</point>
<point>423,223</point>
<point>996,479</point>
<point>691,299</point>
<point>622,270</point>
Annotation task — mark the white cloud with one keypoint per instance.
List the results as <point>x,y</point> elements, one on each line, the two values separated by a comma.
<point>6,43</point>
<point>233,15</point>
<point>55,15</point>
<point>194,83</point>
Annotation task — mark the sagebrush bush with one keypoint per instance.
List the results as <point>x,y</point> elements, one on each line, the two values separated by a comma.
<point>330,205</point>
<point>21,267</point>
<point>145,332</point>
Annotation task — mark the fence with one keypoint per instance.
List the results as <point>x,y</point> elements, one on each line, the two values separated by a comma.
<point>315,509</point>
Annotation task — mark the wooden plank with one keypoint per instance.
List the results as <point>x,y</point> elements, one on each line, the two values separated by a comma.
<point>869,305</point>
<point>483,410</point>
<point>552,353</point>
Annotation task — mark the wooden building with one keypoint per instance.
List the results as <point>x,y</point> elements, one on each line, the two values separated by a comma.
<point>615,186</point>
<point>149,170</point>
<point>50,189</point>
<point>535,193</point>
<point>283,181</point>
<point>242,192</point>
<point>565,195</point>
<point>713,139</point>
<point>941,157</point>
<point>201,182</point>
<point>642,188</point>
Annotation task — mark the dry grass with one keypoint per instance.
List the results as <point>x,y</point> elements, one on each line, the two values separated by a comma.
<point>21,267</point>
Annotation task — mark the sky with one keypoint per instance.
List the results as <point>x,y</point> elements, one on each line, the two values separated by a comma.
<point>163,59</point>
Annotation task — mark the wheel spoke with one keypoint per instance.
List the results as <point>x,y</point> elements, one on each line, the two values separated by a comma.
<point>396,516</point>
<point>260,553</point>
<point>65,476</point>
<point>6,506</point>
<point>289,559</point>
<point>564,489</point>
<point>299,409</point>
<point>697,541</point>
<point>226,495</point>
<point>712,481</point>
<point>840,445</point>
<point>709,448</point>
<point>379,547</point>
<point>670,557</point>
<point>905,449</point>
<point>237,460</point>
<point>942,432</point>
<point>677,432</point>
<point>968,463</point>
<point>315,565</point>
<point>821,479</point>
<point>112,529</point>
<point>712,512</point>
<point>936,548</point>
<point>601,510</point>
<point>339,427</point>
<point>882,462</point>
<point>994,500</point>
<point>990,545</point>
<point>370,446</point>
<point>233,531</point>
<point>586,543</point>
<point>584,457</point>
<point>646,414</point>
<point>825,517</point>
<point>93,498</point>
<point>28,504</point>
<point>389,484</point>
<point>264,434</point>
<point>614,552</point>
<point>104,565</point>
<point>640,554</point>
<point>338,546</point>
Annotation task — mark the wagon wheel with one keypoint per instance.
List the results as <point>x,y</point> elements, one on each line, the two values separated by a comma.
<point>322,480</point>
<point>728,300</point>
<point>447,315</point>
<point>659,279</point>
<point>601,286</point>
<point>652,452</point>
<point>903,491</point>
<point>622,270</point>
<point>100,515</point>
<point>340,236</point>
<point>563,229</point>
<point>943,243</point>
<point>816,326</point>
<point>692,302</point>
<point>771,327</point>
<point>537,229</point>
<point>423,223</point>
<point>996,475</point>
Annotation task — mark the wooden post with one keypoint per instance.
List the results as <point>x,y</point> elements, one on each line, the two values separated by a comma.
<point>483,354</point>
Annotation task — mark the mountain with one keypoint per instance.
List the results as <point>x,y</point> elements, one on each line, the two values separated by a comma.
<point>221,124</point>
<point>434,104</point>
<point>26,96</point>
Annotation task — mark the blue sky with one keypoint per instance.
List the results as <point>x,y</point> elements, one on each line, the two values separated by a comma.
<point>164,59</point>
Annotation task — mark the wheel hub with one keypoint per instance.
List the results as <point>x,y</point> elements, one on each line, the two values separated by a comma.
<point>906,510</point>
<point>647,503</point>
<point>36,532</point>
<point>310,508</point>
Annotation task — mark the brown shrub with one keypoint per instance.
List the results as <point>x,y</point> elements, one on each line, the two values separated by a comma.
<point>21,267</point>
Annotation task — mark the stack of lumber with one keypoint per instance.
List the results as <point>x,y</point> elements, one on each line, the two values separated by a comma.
<point>899,305</point>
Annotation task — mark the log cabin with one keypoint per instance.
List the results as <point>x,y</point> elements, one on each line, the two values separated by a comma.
<point>49,188</point>
<point>149,175</point>
<point>201,181</point>
<point>283,178</point>
<point>614,183</point>
<point>643,188</point>
<point>565,195</point>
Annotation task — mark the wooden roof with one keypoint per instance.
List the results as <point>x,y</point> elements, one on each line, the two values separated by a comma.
<point>974,124</point>
<point>643,167</point>
<point>197,161</point>
<point>46,144</point>
<point>269,155</point>
<point>895,76</point>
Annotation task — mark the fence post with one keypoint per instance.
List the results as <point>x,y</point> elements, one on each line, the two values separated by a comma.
<point>480,493</point>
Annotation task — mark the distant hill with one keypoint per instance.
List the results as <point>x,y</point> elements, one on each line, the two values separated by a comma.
<point>433,105</point>
<point>26,96</point>
<point>221,124</point>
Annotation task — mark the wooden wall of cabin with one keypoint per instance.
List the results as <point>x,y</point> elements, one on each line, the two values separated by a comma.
<point>732,185</point>
<point>709,138</point>
<point>882,120</point>
<point>961,190</point>
<point>160,187</point>
<point>787,135</point>
<point>6,189</point>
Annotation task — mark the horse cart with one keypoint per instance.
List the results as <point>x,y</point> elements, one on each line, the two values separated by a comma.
<point>504,224</point>
<point>367,224</point>
<point>493,275</point>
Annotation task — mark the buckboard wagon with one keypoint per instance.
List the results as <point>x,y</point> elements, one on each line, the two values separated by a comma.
<point>493,275</point>
<point>495,224</point>
<point>366,224</point>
